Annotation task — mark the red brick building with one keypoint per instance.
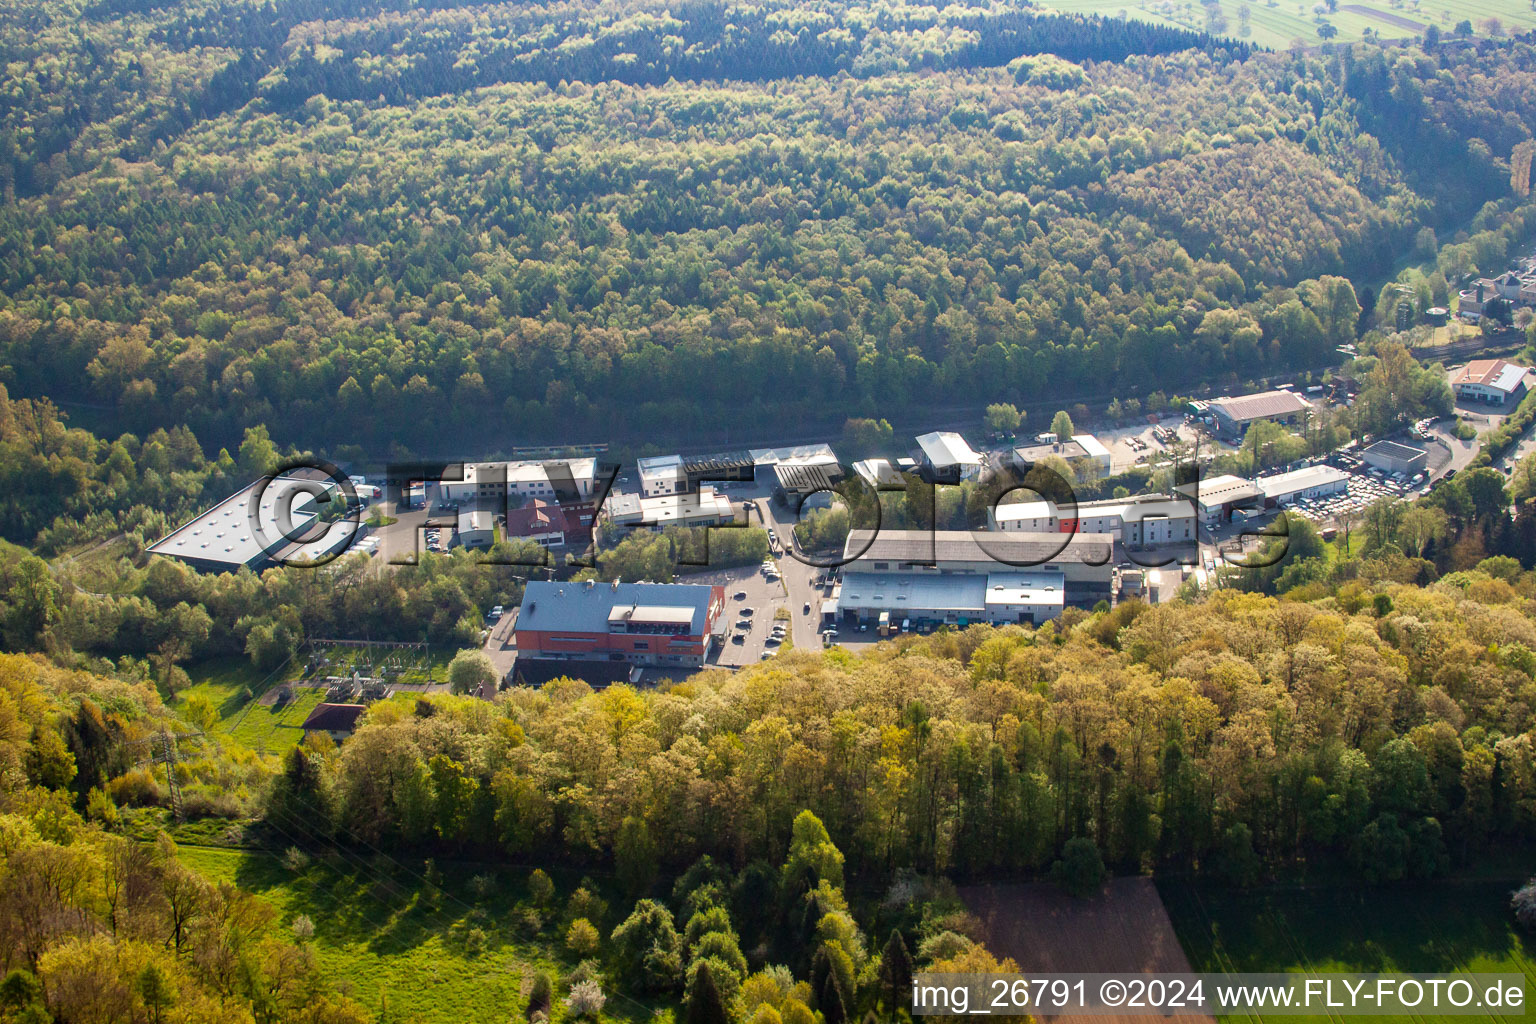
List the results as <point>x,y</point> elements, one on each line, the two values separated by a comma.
<point>641,623</point>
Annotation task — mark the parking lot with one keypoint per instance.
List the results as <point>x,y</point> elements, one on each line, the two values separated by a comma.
<point>762,600</point>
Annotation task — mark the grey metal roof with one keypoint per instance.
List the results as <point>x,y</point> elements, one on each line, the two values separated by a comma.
<point>552,607</point>
<point>1266,403</point>
<point>1394,450</point>
<point>1020,548</point>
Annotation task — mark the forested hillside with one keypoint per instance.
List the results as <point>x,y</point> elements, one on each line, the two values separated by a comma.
<point>379,226</point>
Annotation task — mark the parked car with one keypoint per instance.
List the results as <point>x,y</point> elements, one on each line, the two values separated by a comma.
<point>743,623</point>
<point>807,609</point>
<point>738,638</point>
<point>740,595</point>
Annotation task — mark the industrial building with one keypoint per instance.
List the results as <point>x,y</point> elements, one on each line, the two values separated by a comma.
<point>285,530</point>
<point>623,513</point>
<point>638,623</point>
<point>492,484</point>
<point>1306,482</point>
<point>1080,451</point>
<point>794,482</point>
<point>909,600</point>
<point>664,475</point>
<point>948,458</point>
<point>1144,520</point>
<point>1231,417</point>
<point>477,529</point>
<point>1490,382</point>
<point>878,473</point>
<point>1218,497</point>
<point>1393,457</point>
<point>1082,559</point>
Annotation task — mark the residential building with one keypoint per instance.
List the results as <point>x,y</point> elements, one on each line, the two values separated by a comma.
<point>1231,417</point>
<point>1394,457</point>
<point>538,521</point>
<point>641,623</point>
<point>1516,287</point>
<point>948,458</point>
<point>337,720</point>
<point>1490,382</point>
<point>1082,452</point>
<point>628,511</point>
<point>1306,482</point>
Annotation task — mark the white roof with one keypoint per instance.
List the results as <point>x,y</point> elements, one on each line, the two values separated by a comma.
<point>1037,588</point>
<point>1303,479</point>
<point>630,507</point>
<point>877,471</point>
<point>1218,490</point>
<point>1091,446</point>
<point>660,467</point>
<point>475,520</point>
<point>1022,510</point>
<point>947,448</point>
<point>804,455</point>
<point>228,534</point>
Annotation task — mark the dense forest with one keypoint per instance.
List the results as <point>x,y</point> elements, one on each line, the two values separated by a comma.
<point>415,222</point>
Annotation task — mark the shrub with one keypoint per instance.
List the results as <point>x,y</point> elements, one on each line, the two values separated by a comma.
<point>1523,901</point>
<point>586,999</point>
<point>582,937</point>
<point>540,995</point>
<point>1080,871</point>
<point>588,904</point>
<point>541,888</point>
<point>295,860</point>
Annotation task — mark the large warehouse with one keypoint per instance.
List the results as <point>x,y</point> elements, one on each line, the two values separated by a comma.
<point>285,530</point>
<point>1232,416</point>
<point>1084,560</point>
<point>954,599</point>
<point>1307,482</point>
<point>1392,457</point>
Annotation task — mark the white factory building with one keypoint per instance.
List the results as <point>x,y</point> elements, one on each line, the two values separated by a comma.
<point>1082,561</point>
<point>909,599</point>
<point>1080,451</point>
<point>1307,482</point>
<point>625,512</point>
<point>948,457</point>
<point>1141,521</point>
<point>492,483</point>
<point>1217,497</point>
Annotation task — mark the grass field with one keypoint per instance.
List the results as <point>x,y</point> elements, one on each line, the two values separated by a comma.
<point>1275,23</point>
<point>390,938</point>
<point>1445,926</point>
<point>262,727</point>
